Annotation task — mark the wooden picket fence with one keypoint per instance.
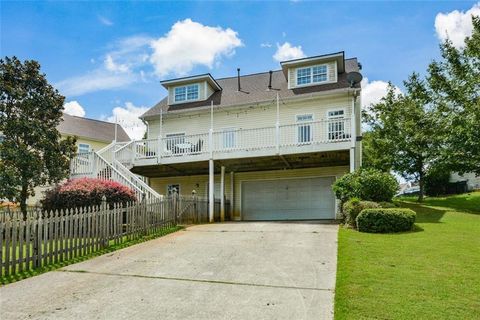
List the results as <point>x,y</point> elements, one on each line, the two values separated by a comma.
<point>45,238</point>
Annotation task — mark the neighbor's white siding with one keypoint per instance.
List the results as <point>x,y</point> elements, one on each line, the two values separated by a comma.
<point>189,183</point>
<point>473,181</point>
<point>251,117</point>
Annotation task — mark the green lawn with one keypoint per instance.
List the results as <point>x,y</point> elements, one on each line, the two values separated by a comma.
<point>430,273</point>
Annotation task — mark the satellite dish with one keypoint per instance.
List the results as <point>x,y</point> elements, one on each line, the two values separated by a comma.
<point>353,78</point>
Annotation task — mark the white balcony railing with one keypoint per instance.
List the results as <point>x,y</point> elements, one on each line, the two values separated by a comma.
<point>292,137</point>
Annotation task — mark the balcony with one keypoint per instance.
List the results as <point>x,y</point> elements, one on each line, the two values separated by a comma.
<point>304,137</point>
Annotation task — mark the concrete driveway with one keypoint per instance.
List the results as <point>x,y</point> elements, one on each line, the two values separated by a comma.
<point>256,270</point>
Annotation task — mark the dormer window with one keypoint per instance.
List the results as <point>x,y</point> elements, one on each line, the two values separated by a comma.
<point>186,93</point>
<point>315,74</point>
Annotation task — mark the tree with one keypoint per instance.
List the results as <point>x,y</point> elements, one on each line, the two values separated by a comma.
<point>32,153</point>
<point>405,130</point>
<point>374,152</point>
<point>455,84</point>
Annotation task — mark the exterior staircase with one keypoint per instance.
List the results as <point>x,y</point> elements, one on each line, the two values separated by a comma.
<point>105,164</point>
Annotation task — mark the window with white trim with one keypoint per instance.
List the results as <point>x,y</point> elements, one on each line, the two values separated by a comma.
<point>229,138</point>
<point>315,74</point>
<point>173,141</point>
<point>336,125</point>
<point>83,148</point>
<point>304,131</point>
<point>171,188</point>
<point>186,93</point>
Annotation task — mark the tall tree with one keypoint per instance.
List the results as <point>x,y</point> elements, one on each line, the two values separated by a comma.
<point>455,84</point>
<point>32,152</point>
<point>404,129</point>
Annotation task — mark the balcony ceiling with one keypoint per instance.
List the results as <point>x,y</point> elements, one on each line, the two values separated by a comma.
<point>292,161</point>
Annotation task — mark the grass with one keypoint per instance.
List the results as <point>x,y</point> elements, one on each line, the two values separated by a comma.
<point>112,247</point>
<point>432,272</point>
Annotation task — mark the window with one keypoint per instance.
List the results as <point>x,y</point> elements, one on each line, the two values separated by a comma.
<point>304,133</point>
<point>186,93</point>
<point>336,125</point>
<point>173,140</point>
<point>83,148</point>
<point>314,74</point>
<point>229,138</point>
<point>171,188</point>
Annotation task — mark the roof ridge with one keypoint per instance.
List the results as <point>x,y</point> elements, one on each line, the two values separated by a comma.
<point>85,118</point>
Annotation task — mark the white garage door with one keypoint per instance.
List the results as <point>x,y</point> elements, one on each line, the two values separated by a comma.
<point>288,199</point>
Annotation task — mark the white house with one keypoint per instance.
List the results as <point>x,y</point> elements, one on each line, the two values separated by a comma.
<point>270,143</point>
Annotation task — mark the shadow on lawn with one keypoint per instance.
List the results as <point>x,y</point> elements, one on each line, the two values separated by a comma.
<point>424,214</point>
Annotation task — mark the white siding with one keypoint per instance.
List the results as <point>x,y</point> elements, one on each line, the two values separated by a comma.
<point>473,181</point>
<point>248,118</point>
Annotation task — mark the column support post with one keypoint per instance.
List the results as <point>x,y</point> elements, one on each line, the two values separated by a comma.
<point>222,194</point>
<point>211,190</point>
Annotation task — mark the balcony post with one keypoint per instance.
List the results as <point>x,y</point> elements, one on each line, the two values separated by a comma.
<point>277,127</point>
<point>352,136</point>
<point>222,194</point>
<point>160,133</point>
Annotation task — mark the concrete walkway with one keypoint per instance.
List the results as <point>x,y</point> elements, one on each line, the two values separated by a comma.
<point>260,270</point>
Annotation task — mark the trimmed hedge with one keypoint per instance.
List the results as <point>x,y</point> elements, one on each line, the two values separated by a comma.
<point>386,220</point>
<point>86,192</point>
<point>366,184</point>
<point>353,207</point>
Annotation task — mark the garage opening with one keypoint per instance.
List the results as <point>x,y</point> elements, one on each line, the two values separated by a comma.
<point>288,199</point>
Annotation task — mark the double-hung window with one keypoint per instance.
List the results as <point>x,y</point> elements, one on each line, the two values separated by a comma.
<point>174,141</point>
<point>304,133</point>
<point>83,148</point>
<point>315,74</point>
<point>229,138</point>
<point>186,93</point>
<point>171,188</point>
<point>336,124</point>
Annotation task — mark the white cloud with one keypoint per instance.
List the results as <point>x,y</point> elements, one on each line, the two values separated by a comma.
<point>373,92</point>
<point>74,108</point>
<point>456,25</point>
<point>110,65</point>
<point>266,45</point>
<point>96,80</point>
<point>105,21</point>
<point>190,43</point>
<point>288,52</point>
<point>127,117</point>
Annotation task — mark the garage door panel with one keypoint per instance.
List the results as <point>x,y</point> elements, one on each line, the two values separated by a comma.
<point>288,199</point>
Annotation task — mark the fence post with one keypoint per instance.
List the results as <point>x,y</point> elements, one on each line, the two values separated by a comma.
<point>175,206</point>
<point>36,253</point>
<point>194,201</point>
<point>103,214</point>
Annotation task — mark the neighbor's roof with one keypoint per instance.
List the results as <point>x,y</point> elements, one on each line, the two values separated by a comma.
<point>91,129</point>
<point>254,90</point>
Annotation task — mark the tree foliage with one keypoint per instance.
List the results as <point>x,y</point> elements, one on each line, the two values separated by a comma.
<point>455,85</point>
<point>32,153</point>
<point>405,128</point>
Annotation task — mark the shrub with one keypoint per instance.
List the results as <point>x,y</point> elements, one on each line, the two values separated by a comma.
<point>366,184</point>
<point>86,192</point>
<point>385,204</point>
<point>436,181</point>
<point>353,207</point>
<point>385,220</point>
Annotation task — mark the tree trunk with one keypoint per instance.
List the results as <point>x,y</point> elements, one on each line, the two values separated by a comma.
<point>420,184</point>
<point>23,201</point>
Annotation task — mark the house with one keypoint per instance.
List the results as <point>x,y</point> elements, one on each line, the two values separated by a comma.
<point>471,179</point>
<point>92,135</point>
<point>271,143</point>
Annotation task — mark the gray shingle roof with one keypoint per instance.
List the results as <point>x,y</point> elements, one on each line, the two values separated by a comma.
<point>91,129</point>
<point>254,90</point>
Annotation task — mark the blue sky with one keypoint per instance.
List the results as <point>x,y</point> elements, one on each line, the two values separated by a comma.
<point>107,55</point>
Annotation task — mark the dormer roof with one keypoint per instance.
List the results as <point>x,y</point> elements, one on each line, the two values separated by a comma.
<point>338,56</point>
<point>192,79</point>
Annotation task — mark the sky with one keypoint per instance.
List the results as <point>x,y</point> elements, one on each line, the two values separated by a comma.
<point>107,58</point>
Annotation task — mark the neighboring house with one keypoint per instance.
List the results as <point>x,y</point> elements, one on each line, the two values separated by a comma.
<point>472,180</point>
<point>270,143</point>
<point>91,134</point>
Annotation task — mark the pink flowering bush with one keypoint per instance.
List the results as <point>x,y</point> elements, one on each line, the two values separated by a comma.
<point>86,192</point>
